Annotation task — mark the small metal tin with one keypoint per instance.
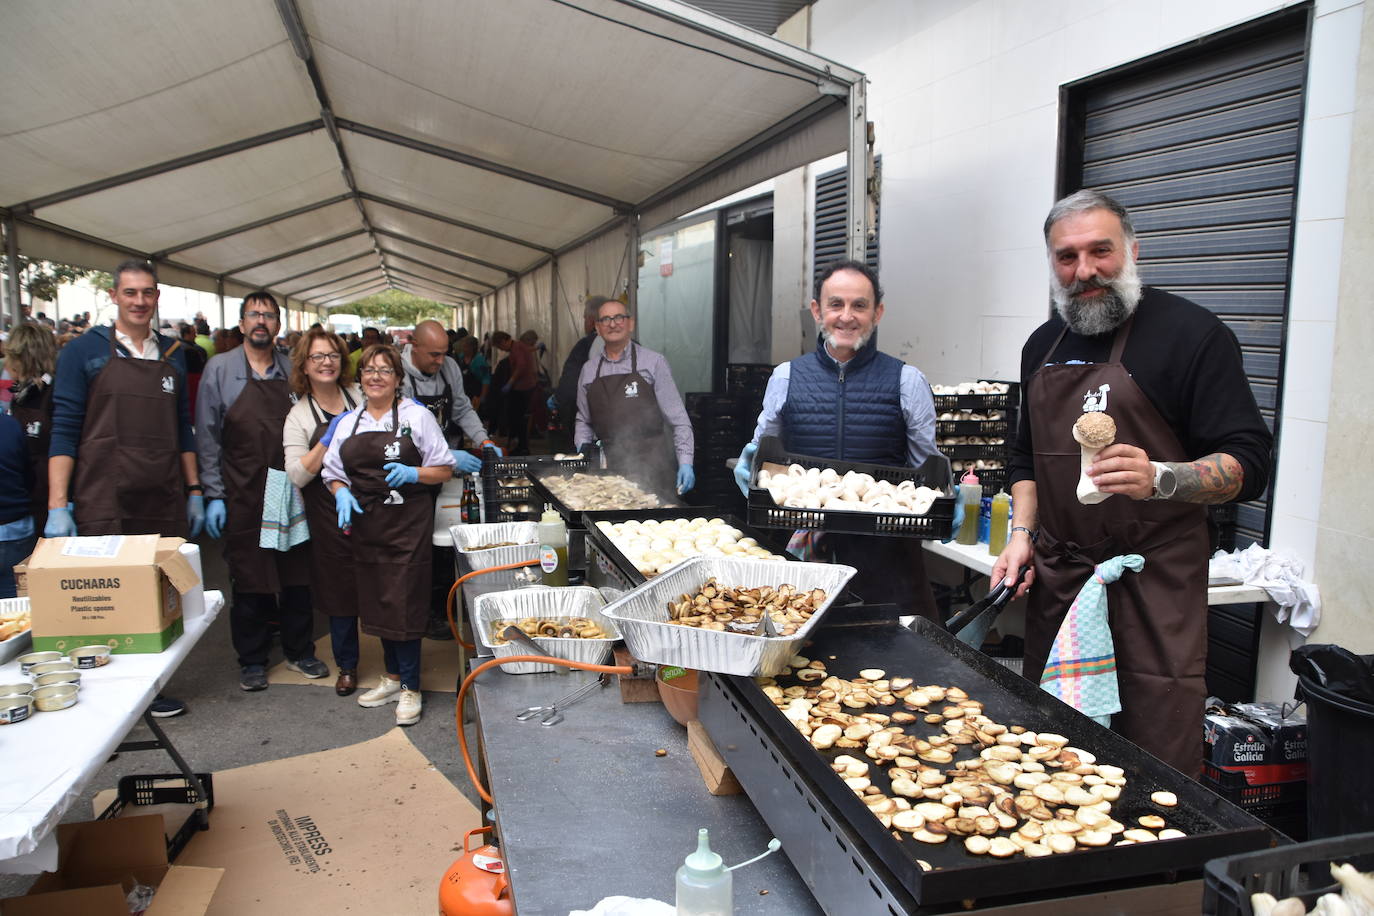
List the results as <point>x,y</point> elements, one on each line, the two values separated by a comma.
<point>37,658</point>
<point>54,697</point>
<point>15,690</point>
<point>49,667</point>
<point>15,709</point>
<point>57,677</point>
<point>90,656</point>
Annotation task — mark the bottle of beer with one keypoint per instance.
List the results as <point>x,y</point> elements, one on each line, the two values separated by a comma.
<point>471,512</point>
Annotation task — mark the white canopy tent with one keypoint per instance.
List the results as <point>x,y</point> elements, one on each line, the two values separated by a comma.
<point>329,149</point>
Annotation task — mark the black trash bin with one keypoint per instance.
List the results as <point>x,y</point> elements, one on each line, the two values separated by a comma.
<point>1340,778</point>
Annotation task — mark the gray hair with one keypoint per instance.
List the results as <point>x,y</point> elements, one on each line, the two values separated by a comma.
<point>592,308</point>
<point>1085,200</point>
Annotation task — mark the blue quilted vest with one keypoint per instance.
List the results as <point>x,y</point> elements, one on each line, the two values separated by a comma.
<point>851,412</point>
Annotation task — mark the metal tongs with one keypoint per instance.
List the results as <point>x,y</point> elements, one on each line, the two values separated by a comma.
<point>971,625</point>
<point>553,713</point>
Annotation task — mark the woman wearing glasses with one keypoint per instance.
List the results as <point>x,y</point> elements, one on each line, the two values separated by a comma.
<point>380,459</point>
<point>322,379</point>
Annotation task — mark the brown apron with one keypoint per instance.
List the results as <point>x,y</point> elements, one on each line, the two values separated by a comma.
<point>250,443</point>
<point>391,538</point>
<point>128,468</point>
<point>626,416</point>
<point>1158,616</point>
<point>35,415</point>
<point>331,551</point>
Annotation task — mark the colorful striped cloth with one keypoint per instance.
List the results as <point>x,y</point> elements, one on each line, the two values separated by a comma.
<point>283,514</point>
<point>1081,669</point>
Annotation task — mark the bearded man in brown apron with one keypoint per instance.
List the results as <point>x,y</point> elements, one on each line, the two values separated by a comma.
<point>627,399</point>
<point>240,412</point>
<point>122,454</point>
<point>1189,433</point>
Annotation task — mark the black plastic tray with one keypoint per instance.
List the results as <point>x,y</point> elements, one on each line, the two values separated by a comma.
<point>975,452</point>
<point>936,524</point>
<point>517,466</point>
<point>573,517</point>
<point>973,427</point>
<point>932,656</point>
<point>618,567</point>
<point>1298,870</point>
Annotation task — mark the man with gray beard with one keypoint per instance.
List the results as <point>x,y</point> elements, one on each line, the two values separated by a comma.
<point>1169,374</point>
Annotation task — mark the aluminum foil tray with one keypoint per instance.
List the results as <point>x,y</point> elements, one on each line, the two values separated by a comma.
<point>19,643</point>
<point>541,601</point>
<point>642,615</point>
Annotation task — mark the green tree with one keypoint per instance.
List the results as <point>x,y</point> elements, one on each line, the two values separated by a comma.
<point>40,279</point>
<point>396,307</point>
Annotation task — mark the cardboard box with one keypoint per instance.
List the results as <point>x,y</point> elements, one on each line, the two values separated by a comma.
<point>123,591</point>
<point>99,862</point>
<point>1256,741</point>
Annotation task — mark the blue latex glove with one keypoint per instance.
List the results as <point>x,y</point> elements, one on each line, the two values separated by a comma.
<point>195,513</point>
<point>398,474</point>
<point>328,436</point>
<point>686,478</point>
<point>345,505</point>
<point>215,514</point>
<point>551,403</point>
<point>744,468</point>
<point>958,517</point>
<point>468,463</point>
<point>494,447</point>
<point>60,524</point>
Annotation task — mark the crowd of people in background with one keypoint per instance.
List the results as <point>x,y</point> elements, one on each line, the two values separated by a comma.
<point>140,426</point>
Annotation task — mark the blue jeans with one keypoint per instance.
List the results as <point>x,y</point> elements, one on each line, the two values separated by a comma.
<point>343,640</point>
<point>403,657</point>
<point>12,552</point>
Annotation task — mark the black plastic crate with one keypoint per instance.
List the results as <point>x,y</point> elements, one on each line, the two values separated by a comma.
<point>981,402</point>
<point>975,452</point>
<point>1295,870</point>
<point>747,378</point>
<point>936,524</point>
<point>973,428</point>
<point>495,467</point>
<point>166,789</point>
<point>1236,789</point>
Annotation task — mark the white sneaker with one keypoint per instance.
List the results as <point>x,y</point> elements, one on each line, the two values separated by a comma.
<point>408,708</point>
<point>385,692</point>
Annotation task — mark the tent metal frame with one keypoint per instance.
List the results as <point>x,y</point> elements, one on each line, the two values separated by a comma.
<point>835,83</point>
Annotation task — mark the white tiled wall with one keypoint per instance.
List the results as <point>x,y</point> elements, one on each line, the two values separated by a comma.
<point>965,99</point>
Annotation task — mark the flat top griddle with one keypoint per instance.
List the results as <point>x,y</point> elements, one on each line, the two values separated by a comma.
<point>931,656</point>
<point>573,515</point>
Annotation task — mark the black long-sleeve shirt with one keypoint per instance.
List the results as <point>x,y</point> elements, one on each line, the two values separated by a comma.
<point>1188,363</point>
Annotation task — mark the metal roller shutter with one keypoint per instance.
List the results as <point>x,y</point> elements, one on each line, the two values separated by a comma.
<point>1202,144</point>
<point>831,214</point>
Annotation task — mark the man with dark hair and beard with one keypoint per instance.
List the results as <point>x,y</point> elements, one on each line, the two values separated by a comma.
<point>245,396</point>
<point>848,401</point>
<point>1188,433</point>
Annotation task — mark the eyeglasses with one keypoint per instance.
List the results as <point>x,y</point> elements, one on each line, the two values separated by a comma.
<point>318,358</point>
<point>383,371</point>
<point>260,316</point>
<point>612,319</point>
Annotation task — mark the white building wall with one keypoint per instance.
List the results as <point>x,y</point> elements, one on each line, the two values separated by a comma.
<point>965,101</point>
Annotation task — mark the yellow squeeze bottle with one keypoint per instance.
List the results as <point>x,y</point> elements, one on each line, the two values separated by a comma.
<point>1001,513</point>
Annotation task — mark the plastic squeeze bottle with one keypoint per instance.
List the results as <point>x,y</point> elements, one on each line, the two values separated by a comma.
<point>704,885</point>
<point>970,497</point>
<point>553,548</point>
<point>1001,512</point>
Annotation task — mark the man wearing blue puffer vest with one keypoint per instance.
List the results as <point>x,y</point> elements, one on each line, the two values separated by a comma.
<point>849,402</point>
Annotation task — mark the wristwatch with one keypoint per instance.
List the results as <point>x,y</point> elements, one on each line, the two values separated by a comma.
<point>1166,482</point>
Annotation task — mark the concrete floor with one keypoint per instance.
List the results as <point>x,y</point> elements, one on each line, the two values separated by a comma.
<point>226,727</point>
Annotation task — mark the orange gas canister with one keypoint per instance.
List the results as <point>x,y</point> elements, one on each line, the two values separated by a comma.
<point>476,884</point>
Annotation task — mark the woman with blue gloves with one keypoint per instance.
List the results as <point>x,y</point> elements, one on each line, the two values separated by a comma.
<point>382,458</point>
<point>322,380</point>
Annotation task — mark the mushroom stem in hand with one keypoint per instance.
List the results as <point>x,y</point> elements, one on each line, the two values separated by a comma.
<point>1093,432</point>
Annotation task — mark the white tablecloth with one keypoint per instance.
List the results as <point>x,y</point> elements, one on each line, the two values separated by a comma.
<point>47,760</point>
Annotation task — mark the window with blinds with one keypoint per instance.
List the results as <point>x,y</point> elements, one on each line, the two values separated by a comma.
<point>831,217</point>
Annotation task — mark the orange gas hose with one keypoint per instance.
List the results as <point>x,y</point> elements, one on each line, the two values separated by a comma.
<point>467,682</point>
<point>453,593</point>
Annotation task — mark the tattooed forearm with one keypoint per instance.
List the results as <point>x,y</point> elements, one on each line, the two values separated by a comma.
<point>1214,478</point>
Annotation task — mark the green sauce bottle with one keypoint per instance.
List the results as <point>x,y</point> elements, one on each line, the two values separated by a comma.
<point>1001,513</point>
<point>553,548</point>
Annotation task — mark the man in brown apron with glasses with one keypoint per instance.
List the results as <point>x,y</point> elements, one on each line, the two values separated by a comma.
<point>1188,433</point>
<point>122,458</point>
<point>240,412</point>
